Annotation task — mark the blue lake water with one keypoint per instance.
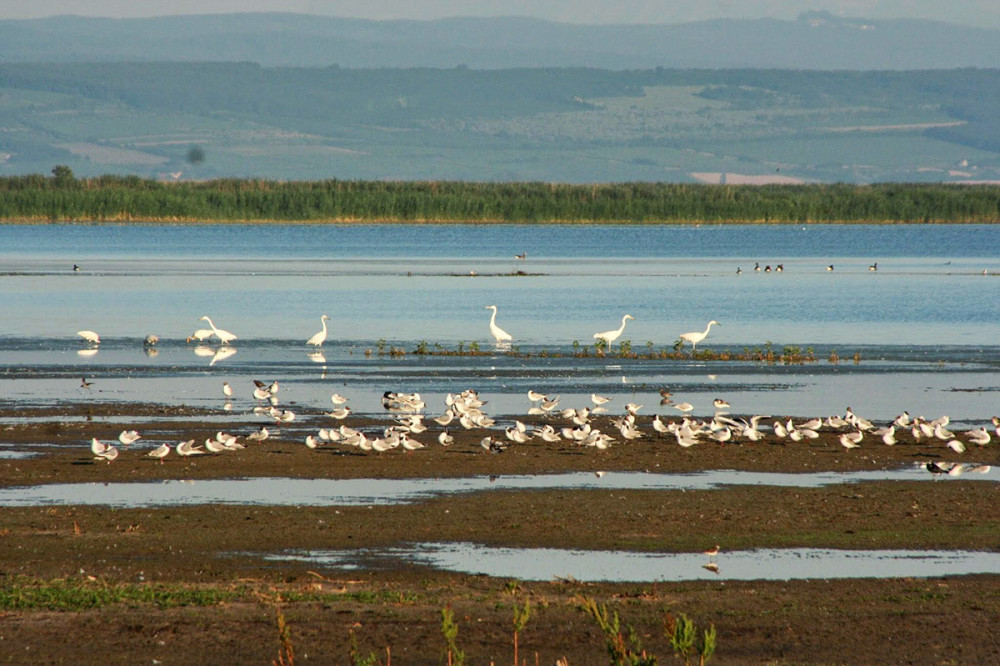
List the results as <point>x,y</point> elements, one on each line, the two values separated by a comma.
<point>926,323</point>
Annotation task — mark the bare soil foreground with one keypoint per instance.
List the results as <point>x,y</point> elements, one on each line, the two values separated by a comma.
<point>190,585</point>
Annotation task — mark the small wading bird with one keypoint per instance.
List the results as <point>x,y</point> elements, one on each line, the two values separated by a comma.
<point>611,336</point>
<point>499,334</point>
<point>694,337</point>
<point>523,255</point>
<point>160,452</point>
<point>318,339</point>
<point>90,336</point>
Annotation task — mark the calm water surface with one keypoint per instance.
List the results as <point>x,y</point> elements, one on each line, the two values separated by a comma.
<point>926,323</point>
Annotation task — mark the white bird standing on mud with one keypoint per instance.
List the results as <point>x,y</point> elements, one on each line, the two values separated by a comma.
<point>318,339</point>
<point>499,334</point>
<point>694,337</point>
<point>611,336</point>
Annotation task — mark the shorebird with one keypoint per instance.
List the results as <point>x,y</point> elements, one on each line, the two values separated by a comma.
<point>720,404</point>
<point>339,414</point>
<point>599,400</point>
<point>685,407</point>
<point>873,267</point>
<point>225,337</point>
<point>185,449</point>
<point>160,452</point>
<point>129,437</point>
<point>108,454</point>
<point>534,396</point>
<point>830,267</point>
<point>200,335</point>
<point>611,336</point>
<point>318,339</point>
<point>338,399</point>
<point>84,383</point>
<point>227,390</point>
<point>150,340</point>
<point>523,255</point>
<point>500,335</point>
<point>712,552</point>
<point>848,442</point>
<point>694,337</point>
<point>445,439</point>
<point>90,336</point>
<point>97,447</point>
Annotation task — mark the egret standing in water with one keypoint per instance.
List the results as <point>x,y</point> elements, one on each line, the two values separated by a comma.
<point>694,337</point>
<point>501,335</point>
<point>611,336</point>
<point>225,337</point>
<point>318,339</point>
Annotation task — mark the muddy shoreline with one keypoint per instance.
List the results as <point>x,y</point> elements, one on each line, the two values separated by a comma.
<point>70,570</point>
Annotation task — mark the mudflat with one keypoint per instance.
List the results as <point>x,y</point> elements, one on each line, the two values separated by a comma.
<point>194,584</point>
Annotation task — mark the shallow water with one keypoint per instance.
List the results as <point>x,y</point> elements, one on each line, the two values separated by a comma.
<point>621,566</point>
<point>353,492</point>
<point>926,324</point>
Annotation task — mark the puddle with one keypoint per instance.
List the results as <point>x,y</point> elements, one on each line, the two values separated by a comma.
<point>271,491</point>
<point>17,455</point>
<point>620,566</point>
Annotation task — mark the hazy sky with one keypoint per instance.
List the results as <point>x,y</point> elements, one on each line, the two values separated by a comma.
<point>984,13</point>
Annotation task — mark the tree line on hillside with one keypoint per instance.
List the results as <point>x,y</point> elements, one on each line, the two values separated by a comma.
<point>62,197</point>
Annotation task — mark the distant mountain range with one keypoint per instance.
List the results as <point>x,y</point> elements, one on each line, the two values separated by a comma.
<point>817,40</point>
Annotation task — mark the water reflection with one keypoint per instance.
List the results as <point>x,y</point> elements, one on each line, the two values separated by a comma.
<point>622,566</point>
<point>270,491</point>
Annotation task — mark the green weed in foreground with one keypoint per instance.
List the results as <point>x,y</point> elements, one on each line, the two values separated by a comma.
<point>75,595</point>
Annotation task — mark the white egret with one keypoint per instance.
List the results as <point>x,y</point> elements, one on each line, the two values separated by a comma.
<point>90,336</point>
<point>201,335</point>
<point>611,336</point>
<point>225,337</point>
<point>318,339</point>
<point>499,334</point>
<point>694,337</point>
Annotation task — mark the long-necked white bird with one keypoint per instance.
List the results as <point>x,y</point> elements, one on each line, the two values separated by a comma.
<point>318,339</point>
<point>90,336</point>
<point>694,337</point>
<point>611,336</point>
<point>225,337</point>
<point>499,334</point>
